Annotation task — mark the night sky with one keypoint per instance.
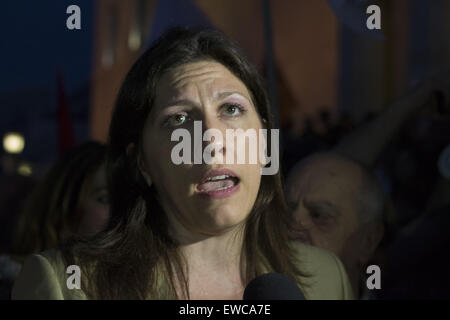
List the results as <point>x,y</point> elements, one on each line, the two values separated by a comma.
<point>35,46</point>
<point>35,43</point>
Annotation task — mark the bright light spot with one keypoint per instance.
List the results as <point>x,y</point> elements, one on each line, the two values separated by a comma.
<point>13,142</point>
<point>134,39</point>
<point>24,169</point>
<point>107,59</point>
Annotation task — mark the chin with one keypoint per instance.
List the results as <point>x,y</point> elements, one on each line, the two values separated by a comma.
<point>227,218</point>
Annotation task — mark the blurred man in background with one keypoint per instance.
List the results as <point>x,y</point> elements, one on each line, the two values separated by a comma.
<point>337,205</point>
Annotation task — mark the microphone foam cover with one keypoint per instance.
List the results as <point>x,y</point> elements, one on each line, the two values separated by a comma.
<point>273,286</point>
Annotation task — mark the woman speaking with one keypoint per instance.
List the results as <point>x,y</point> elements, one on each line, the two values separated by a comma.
<point>191,230</point>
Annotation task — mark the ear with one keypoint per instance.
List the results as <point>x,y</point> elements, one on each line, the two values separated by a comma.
<point>133,152</point>
<point>373,233</point>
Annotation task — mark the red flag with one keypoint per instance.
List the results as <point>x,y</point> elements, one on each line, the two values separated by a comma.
<point>66,135</point>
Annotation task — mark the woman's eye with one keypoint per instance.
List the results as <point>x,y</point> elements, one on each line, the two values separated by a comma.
<point>103,199</point>
<point>232,110</point>
<point>320,216</point>
<point>176,120</point>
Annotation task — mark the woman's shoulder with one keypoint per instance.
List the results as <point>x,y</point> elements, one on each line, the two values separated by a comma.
<point>324,275</point>
<point>46,276</point>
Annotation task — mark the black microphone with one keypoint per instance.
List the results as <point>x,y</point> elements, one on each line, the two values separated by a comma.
<point>273,286</point>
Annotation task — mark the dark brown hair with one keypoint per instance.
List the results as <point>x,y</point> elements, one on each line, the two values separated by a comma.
<point>49,216</point>
<point>131,258</point>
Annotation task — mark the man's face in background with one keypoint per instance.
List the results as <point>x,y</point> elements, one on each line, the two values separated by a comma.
<point>322,194</point>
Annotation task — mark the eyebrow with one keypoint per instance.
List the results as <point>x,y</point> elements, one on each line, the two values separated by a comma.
<point>185,102</point>
<point>322,205</point>
<point>223,95</point>
<point>217,97</point>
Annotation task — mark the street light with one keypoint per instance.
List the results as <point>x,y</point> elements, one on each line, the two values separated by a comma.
<point>25,169</point>
<point>13,142</point>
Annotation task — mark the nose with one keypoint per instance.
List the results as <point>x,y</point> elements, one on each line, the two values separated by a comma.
<point>214,140</point>
<point>304,220</point>
<point>301,226</point>
<point>214,145</point>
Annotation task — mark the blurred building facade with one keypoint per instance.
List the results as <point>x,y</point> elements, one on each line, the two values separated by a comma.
<point>306,57</point>
<point>122,28</point>
<point>321,64</point>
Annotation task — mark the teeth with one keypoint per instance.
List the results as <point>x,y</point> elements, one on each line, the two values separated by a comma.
<point>224,188</point>
<point>222,177</point>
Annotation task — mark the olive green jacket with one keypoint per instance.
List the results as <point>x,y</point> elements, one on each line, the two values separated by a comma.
<point>44,276</point>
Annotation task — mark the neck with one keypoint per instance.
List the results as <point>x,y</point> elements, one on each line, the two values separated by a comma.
<point>208,248</point>
<point>214,252</point>
<point>213,263</point>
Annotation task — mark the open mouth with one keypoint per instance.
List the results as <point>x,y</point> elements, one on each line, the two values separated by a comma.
<point>218,182</point>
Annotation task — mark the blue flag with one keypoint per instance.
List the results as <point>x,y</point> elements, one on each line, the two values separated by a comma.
<point>352,13</point>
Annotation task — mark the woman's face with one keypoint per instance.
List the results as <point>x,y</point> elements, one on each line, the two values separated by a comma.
<point>201,199</point>
<point>93,206</point>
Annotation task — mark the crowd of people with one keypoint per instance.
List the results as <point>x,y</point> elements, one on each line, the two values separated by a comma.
<point>72,199</point>
<point>141,227</point>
